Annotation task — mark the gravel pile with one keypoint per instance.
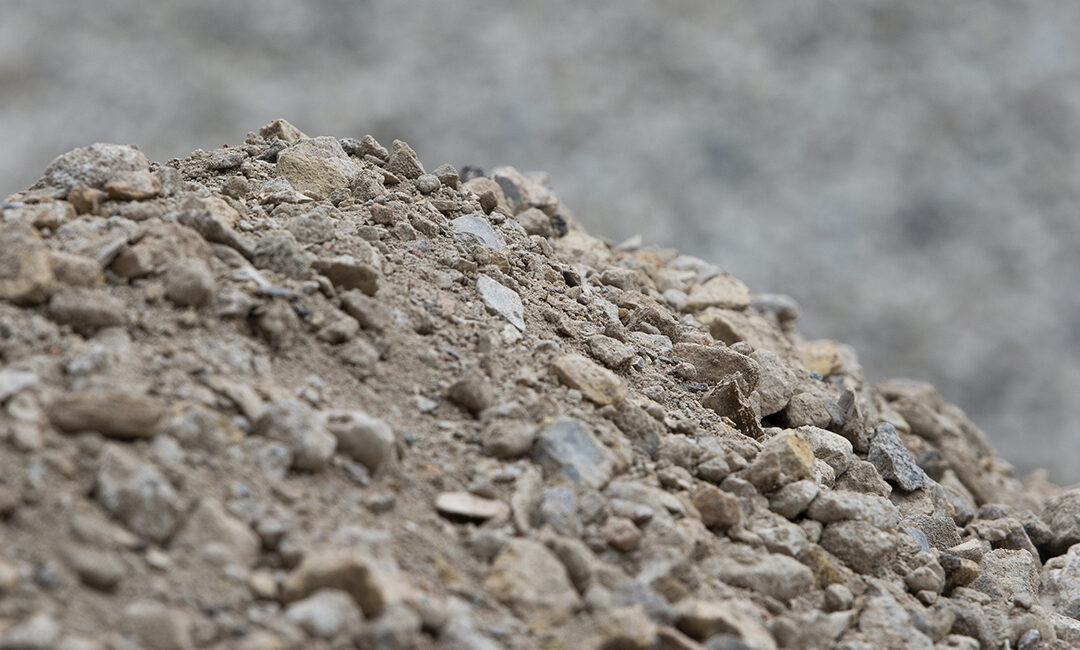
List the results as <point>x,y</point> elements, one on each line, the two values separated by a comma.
<point>304,393</point>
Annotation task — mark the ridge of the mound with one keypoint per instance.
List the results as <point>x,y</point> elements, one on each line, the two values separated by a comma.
<point>302,393</point>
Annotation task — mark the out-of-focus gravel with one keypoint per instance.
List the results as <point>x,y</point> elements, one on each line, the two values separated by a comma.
<point>907,170</point>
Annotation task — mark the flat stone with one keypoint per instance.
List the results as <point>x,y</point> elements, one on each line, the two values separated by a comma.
<point>94,165</point>
<point>785,458</point>
<point>502,301</point>
<point>596,383</point>
<point>530,580</point>
<point>87,310</point>
<point>75,270</point>
<point>728,399</point>
<point>893,460</point>
<point>567,447</point>
<point>349,273</point>
<point>476,228</point>
<point>133,186</point>
<point>367,439</point>
<point>722,291</point>
<point>468,506</point>
<point>125,416</point>
<point>776,383</point>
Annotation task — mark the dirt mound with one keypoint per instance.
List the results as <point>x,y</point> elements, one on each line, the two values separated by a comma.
<point>302,393</point>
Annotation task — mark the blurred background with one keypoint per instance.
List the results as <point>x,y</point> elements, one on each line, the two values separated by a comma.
<point>908,170</point>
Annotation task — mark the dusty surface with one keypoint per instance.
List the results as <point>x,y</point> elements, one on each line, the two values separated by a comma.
<point>427,409</point>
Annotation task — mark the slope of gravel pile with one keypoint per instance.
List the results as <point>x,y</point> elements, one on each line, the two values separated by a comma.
<point>302,393</point>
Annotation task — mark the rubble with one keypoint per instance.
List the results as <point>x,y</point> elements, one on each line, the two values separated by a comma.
<point>299,392</point>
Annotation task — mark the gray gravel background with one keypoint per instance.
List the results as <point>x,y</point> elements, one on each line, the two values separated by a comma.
<point>907,170</point>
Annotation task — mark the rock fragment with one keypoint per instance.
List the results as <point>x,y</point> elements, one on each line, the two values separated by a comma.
<point>158,627</point>
<point>466,506</point>
<point>531,580</point>
<point>87,310</point>
<point>893,460</point>
<point>26,274</point>
<point>298,426</point>
<point>119,415</point>
<point>785,458</point>
<point>325,613</point>
<point>366,439</point>
<point>189,283</point>
<point>567,447</point>
<point>133,186</point>
<point>136,493</point>
<point>94,165</point>
<point>595,383</point>
<point>404,161</point>
<point>217,536</point>
<point>721,291</point>
<point>477,229</point>
<point>372,586</point>
<point>503,301</point>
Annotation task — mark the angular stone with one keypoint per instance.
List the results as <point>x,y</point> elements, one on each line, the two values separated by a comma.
<point>1007,574</point>
<point>830,447</point>
<point>596,383</point>
<point>298,426</point>
<point>468,506</point>
<point>137,494</point>
<point>714,363</point>
<point>75,270</point>
<point>133,186</point>
<point>475,228</point>
<point>785,458</point>
<point>349,273</point>
<point>776,384</point>
<point>1062,514</point>
<point>719,510</point>
<point>721,291</point>
<point>506,439</point>
<point>473,393</point>
<point>403,161</point>
<point>217,536</point>
<point>94,165</point>
<point>840,505</point>
<point>530,580</point>
<point>791,500</point>
<point>282,130</point>
<point>26,274</point>
<point>703,619</point>
<point>625,628</point>
<point>885,624</point>
<point>893,460</point>
<point>1060,582</point>
<point>778,576</point>
<point>369,312</point>
<point>367,439</point>
<point>568,448</point>
<point>611,352</point>
<point>959,572</point>
<point>502,301</point>
<point>119,415</point>
<point>858,544</point>
<point>728,400</point>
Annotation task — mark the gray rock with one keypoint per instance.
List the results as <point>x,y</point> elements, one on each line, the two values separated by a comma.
<point>893,460</point>
<point>189,283</point>
<point>611,352</point>
<point>218,537</point>
<point>776,383</point>
<point>39,632</point>
<point>791,500</point>
<point>13,381</point>
<point>858,544</point>
<point>475,228</point>
<point>778,576</point>
<point>506,439</point>
<point>298,426</point>
<point>841,505</point>
<point>641,429</point>
<point>838,597</point>
<point>502,301</point>
<point>403,161</point>
<point>136,493</point>
<point>325,613</point>
<point>1060,580</point>
<point>366,439</point>
<point>314,227</point>
<point>885,624</point>
<point>558,509</point>
<point>1008,574</point>
<point>1062,514</point>
<point>427,183</point>
<point>862,476</point>
<point>830,447</point>
<point>94,165</point>
<point>279,251</point>
<point>713,363</point>
<point>474,393</point>
<point>530,580</point>
<point>567,447</point>
<point>368,311</point>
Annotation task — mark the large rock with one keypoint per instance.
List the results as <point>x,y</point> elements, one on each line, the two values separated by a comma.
<point>1007,574</point>
<point>859,544</point>
<point>567,447</point>
<point>1060,579</point>
<point>372,582</point>
<point>530,580</point>
<point>841,505</point>
<point>1062,514</point>
<point>365,438</point>
<point>294,423</point>
<point>94,165</point>
<point>785,458</point>
<point>317,166</point>
<point>721,291</point>
<point>893,460</point>
<point>26,273</point>
<point>595,382</point>
<point>775,575</point>
<point>119,415</point>
<point>217,536</point>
